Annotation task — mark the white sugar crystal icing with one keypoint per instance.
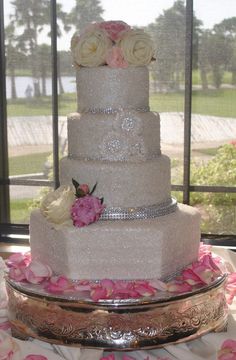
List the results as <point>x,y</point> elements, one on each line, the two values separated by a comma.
<point>99,136</point>
<point>122,183</point>
<point>104,88</point>
<point>132,249</point>
<point>115,141</point>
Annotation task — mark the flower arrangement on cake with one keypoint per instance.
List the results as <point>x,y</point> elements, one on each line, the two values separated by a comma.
<point>112,43</point>
<point>66,205</point>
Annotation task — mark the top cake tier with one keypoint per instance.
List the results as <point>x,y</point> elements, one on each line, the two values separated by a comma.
<point>102,89</point>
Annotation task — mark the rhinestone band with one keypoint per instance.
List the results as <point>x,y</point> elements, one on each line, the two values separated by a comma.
<point>142,212</point>
<point>110,110</point>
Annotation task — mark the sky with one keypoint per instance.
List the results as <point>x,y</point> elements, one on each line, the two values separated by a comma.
<point>143,12</point>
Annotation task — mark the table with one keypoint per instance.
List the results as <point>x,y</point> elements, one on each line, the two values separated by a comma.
<point>206,347</point>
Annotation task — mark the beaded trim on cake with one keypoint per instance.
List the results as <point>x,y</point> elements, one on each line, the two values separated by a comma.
<point>142,212</point>
<point>110,110</point>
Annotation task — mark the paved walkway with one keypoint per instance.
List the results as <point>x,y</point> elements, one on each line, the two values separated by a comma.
<point>34,134</point>
<point>37,130</point>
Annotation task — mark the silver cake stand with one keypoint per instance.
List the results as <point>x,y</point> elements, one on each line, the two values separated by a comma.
<point>116,324</point>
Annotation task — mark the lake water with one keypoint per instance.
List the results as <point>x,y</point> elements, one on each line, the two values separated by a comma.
<point>22,82</point>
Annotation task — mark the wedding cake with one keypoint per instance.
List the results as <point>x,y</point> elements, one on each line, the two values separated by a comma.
<point>113,215</point>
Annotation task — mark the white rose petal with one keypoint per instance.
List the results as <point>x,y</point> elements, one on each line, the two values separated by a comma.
<point>91,49</point>
<point>57,204</point>
<point>137,47</point>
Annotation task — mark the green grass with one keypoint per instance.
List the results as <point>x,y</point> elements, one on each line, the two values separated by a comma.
<point>27,164</point>
<point>207,151</point>
<point>20,211</point>
<point>196,78</point>
<point>41,106</point>
<point>213,102</point>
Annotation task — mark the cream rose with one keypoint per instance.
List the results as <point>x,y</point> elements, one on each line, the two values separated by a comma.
<point>137,47</point>
<point>91,48</point>
<point>56,205</point>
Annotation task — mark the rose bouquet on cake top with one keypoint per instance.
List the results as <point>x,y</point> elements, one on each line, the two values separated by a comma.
<point>112,43</point>
<point>66,205</point>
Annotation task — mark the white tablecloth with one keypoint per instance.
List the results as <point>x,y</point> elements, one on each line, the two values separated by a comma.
<point>205,347</point>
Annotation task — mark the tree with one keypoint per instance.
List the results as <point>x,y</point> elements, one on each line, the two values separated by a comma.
<point>219,208</point>
<point>44,64</point>
<point>84,12</point>
<point>168,32</point>
<point>228,29</point>
<point>11,55</point>
<point>203,63</point>
<point>30,17</point>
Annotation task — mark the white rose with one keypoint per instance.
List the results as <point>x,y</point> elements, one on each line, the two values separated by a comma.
<point>57,204</point>
<point>91,48</point>
<point>137,47</point>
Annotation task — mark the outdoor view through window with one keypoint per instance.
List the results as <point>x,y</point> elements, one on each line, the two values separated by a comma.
<point>213,128</point>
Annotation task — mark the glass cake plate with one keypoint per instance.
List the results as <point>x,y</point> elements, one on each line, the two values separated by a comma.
<point>116,324</point>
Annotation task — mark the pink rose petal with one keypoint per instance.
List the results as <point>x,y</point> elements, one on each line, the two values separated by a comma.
<point>37,272</point>
<point>158,285</point>
<point>177,287</point>
<point>115,58</point>
<point>191,277</point>
<point>59,284</point>
<point>127,357</point>
<point>114,29</point>
<point>18,260</point>
<point>17,274</point>
<point>6,325</point>
<point>98,293</point>
<point>228,350</point>
<point>35,357</point>
<point>108,357</point>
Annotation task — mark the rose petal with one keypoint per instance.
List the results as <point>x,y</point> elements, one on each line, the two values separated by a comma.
<point>108,357</point>
<point>37,272</point>
<point>6,325</point>
<point>178,287</point>
<point>230,344</point>
<point>35,357</point>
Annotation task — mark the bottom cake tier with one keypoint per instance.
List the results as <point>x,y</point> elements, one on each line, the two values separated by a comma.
<point>129,249</point>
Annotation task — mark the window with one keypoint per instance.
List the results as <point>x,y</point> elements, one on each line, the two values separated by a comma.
<point>192,86</point>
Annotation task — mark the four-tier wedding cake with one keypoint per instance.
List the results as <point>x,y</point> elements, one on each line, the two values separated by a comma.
<point>113,215</point>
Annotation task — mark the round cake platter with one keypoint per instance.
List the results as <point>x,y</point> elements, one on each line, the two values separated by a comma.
<point>127,324</point>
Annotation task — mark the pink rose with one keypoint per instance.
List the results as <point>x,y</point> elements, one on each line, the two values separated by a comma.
<point>84,188</point>
<point>37,272</point>
<point>115,58</point>
<point>228,350</point>
<point>115,29</point>
<point>86,210</point>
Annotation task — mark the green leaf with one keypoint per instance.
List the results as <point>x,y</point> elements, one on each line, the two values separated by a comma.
<point>80,193</point>
<point>75,183</point>
<point>93,189</point>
